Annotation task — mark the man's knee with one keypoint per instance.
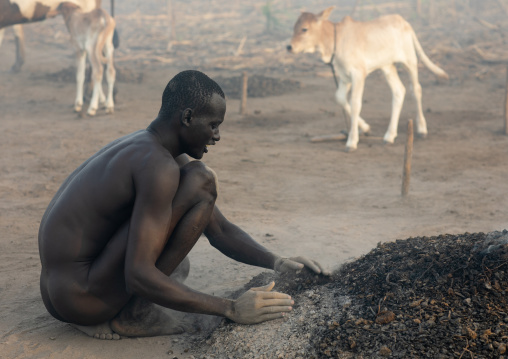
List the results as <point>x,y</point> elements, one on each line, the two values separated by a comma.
<point>201,176</point>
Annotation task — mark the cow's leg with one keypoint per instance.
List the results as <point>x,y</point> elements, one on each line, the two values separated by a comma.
<point>398,93</point>
<point>19,37</point>
<point>357,87</point>
<point>341,97</point>
<point>80,79</point>
<point>110,76</point>
<point>97,73</point>
<point>421,124</point>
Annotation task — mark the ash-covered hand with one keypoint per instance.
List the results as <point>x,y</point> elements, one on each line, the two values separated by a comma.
<point>294,264</point>
<point>261,304</point>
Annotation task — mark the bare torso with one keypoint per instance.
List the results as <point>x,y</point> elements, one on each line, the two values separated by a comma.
<point>93,204</point>
<point>94,201</point>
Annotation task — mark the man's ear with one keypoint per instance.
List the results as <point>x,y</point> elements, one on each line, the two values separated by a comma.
<point>187,116</point>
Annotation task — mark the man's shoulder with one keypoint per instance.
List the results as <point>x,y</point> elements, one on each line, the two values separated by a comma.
<point>147,154</point>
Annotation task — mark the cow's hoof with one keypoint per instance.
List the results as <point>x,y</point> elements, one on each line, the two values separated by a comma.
<point>110,110</point>
<point>16,68</point>
<point>77,108</point>
<point>91,112</point>
<point>349,149</point>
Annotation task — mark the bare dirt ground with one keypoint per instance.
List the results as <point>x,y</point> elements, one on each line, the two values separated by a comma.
<point>294,196</point>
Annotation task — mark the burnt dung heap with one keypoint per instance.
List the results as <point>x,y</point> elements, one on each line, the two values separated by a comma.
<point>423,297</point>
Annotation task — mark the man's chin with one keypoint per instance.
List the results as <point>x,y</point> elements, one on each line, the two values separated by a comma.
<point>196,156</point>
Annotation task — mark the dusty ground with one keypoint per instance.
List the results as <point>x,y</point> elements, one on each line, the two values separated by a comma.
<point>294,196</point>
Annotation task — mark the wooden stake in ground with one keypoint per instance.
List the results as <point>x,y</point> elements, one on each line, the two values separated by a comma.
<point>506,106</point>
<point>172,27</point>
<point>431,12</point>
<point>243,103</point>
<point>419,8</point>
<point>408,154</point>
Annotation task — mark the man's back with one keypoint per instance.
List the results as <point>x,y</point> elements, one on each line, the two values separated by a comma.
<point>95,200</point>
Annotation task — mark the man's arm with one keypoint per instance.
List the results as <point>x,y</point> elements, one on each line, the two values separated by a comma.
<point>235,243</point>
<point>156,183</point>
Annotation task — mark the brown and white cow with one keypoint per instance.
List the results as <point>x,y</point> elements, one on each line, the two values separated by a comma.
<point>355,49</point>
<point>17,12</point>
<point>92,34</point>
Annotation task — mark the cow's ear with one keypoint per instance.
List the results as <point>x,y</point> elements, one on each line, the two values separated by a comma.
<point>323,15</point>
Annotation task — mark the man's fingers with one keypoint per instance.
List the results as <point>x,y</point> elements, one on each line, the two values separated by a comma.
<point>323,271</point>
<point>265,288</point>
<point>292,265</point>
<point>308,263</point>
<point>286,303</point>
<point>272,295</point>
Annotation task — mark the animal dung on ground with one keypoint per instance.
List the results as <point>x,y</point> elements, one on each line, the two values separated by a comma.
<point>422,297</point>
<point>259,86</point>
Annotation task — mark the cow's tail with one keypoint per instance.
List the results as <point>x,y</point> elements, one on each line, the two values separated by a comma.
<point>104,36</point>
<point>116,38</point>
<point>430,65</point>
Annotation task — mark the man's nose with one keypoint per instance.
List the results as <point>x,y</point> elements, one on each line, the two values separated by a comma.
<point>289,48</point>
<point>216,135</point>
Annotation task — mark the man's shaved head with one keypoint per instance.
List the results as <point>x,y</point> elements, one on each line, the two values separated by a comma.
<point>188,89</point>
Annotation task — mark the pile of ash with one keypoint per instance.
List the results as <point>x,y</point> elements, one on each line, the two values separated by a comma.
<point>68,74</point>
<point>257,86</point>
<point>423,297</point>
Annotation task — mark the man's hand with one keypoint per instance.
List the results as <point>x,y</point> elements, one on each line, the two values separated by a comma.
<point>283,265</point>
<point>260,304</point>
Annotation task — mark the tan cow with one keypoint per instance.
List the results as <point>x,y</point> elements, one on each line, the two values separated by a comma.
<point>92,34</point>
<point>355,49</point>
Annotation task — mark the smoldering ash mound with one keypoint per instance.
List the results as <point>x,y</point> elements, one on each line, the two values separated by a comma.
<point>423,297</point>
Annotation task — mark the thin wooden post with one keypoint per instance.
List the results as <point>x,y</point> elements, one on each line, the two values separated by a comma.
<point>172,27</point>
<point>431,12</point>
<point>243,103</point>
<point>506,105</point>
<point>408,154</point>
<point>419,8</point>
<point>357,2</point>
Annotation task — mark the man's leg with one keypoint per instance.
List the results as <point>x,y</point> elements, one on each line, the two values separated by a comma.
<point>106,296</point>
<point>198,186</point>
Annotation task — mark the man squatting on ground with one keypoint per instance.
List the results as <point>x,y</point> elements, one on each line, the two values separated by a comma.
<point>114,240</point>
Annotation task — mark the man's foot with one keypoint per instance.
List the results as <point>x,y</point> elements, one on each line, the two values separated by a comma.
<point>141,318</point>
<point>101,331</point>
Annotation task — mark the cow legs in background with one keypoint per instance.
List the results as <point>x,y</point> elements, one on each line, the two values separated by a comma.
<point>341,95</point>
<point>398,93</point>
<point>110,74</point>
<point>80,79</point>
<point>421,124</point>
<point>357,87</point>
<point>92,34</point>
<point>19,39</point>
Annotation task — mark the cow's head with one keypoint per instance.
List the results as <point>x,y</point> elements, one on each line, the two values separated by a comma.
<point>307,31</point>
